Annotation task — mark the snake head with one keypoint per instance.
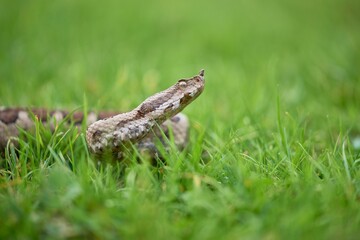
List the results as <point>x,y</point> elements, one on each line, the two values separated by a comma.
<point>191,88</point>
<point>173,100</point>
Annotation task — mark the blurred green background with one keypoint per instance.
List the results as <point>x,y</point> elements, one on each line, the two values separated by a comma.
<point>272,68</point>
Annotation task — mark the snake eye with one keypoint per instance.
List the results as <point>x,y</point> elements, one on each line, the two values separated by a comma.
<point>182,82</point>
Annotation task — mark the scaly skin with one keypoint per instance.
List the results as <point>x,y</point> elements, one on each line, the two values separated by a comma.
<point>110,131</point>
<point>119,130</point>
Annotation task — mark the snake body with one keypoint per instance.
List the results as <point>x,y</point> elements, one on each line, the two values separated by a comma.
<point>113,131</point>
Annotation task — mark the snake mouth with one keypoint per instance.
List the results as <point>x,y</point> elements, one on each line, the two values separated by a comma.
<point>201,80</point>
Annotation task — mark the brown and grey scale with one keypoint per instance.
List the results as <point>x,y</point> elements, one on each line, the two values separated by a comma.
<point>110,131</point>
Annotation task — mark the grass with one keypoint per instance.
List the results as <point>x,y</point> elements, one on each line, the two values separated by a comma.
<point>278,120</point>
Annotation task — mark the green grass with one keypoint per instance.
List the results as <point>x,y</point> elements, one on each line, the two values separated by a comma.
<point>278,120</point>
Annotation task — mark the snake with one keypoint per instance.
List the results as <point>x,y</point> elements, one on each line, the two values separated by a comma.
<point>156,118</point>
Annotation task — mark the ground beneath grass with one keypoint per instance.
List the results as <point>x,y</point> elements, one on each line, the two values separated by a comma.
<point>275,138</point>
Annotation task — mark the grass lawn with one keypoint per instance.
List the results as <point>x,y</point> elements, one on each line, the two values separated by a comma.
<point>274,149</point>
